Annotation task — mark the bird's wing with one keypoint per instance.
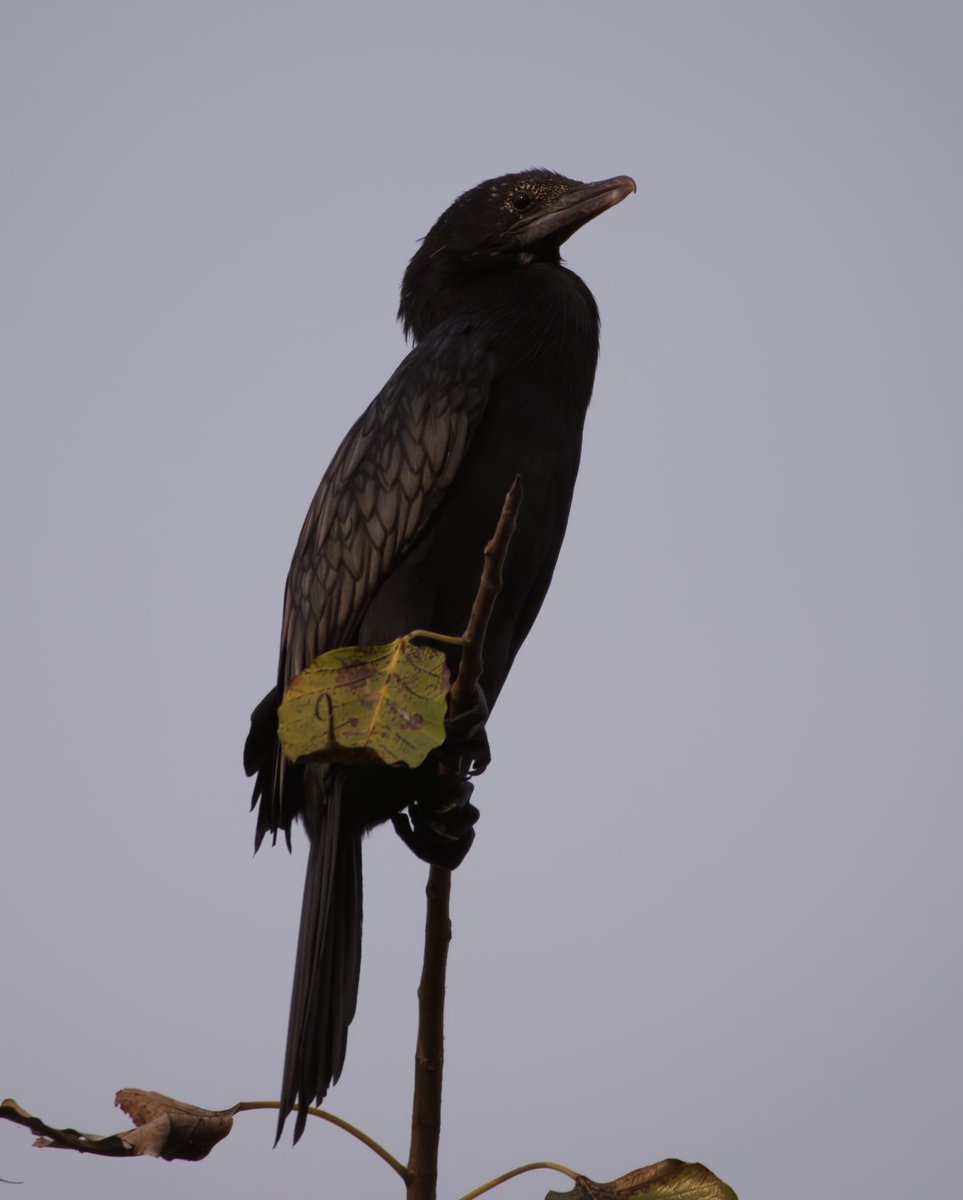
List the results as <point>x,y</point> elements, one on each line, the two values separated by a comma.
<point>387,478</point>
<point>383,484</point>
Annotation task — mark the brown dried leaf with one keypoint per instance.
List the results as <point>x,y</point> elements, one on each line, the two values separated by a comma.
<point>170,1129</point>
<point>670,1179</point>
<point>165,1128</point>
<point>112,1146</point>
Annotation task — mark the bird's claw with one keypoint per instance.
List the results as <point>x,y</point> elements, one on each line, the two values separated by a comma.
<point>438,826</point>
<point>441,834</point>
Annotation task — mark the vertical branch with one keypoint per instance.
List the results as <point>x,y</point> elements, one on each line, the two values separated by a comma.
<point>490,584</point>
<point>430,1050</point>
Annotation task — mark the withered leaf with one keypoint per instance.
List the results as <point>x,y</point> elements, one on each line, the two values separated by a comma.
<point>112,1146</point>
<point>164,1127</point>
<point>170,1129</point>
<point>670,1179</point>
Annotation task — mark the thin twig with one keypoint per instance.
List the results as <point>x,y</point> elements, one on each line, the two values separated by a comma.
<point>535,1166</point>
<point>430,1050</point>
<point>470,668</point>
<point>389,1158</point>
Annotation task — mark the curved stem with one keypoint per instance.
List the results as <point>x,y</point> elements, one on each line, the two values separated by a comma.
<point>446,638</point>
<point>396,1166</point>
<point>535,1166</point>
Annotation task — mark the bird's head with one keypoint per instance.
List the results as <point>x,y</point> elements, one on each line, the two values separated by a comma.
<point>504,223</point>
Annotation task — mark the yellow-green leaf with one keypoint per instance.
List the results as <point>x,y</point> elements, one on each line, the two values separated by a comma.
<point>670,1179</point>
<point>367,704</point>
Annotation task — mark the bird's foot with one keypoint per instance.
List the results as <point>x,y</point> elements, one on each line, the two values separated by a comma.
<point>440,832</point>
<point>438,826</point>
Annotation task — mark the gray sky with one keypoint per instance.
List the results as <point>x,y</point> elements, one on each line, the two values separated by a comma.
<point>713,906</point>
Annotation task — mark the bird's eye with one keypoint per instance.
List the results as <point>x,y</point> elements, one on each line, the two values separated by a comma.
<point>521,201</point>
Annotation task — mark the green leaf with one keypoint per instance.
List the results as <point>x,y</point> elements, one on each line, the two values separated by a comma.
<point>367,704</point>
<point>666,1180</point>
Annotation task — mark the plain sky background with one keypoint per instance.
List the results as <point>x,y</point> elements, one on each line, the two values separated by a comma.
<point>713,910</point>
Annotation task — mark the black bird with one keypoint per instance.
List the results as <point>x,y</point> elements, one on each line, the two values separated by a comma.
<point>506,344</point>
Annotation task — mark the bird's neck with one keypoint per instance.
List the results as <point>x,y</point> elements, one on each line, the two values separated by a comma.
<point>537,303</point>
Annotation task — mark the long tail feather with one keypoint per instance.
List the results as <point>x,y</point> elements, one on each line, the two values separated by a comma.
<point>325,991</point>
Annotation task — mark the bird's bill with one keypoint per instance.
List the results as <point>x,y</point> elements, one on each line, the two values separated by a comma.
<point>571,211</point>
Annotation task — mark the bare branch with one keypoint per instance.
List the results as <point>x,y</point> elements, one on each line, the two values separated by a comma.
<point>430,1050</point>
